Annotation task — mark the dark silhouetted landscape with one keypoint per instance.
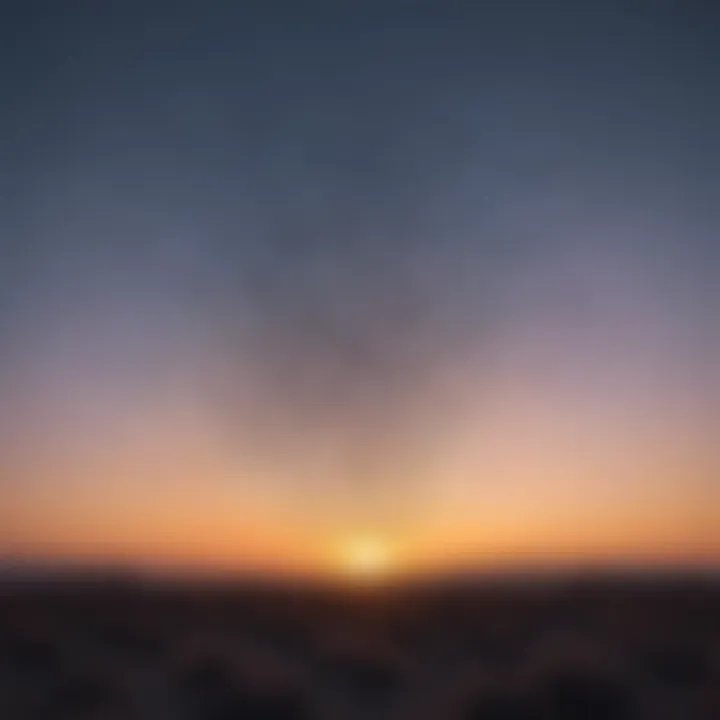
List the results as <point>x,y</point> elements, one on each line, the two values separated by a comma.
<point>567,648</point>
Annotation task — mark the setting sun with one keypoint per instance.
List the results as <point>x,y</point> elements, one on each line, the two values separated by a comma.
<point>366,557</point>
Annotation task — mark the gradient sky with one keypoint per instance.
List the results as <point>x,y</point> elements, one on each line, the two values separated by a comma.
<point>272,274</point>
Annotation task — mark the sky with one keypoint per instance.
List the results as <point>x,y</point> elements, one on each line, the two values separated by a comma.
<point>275,274</point>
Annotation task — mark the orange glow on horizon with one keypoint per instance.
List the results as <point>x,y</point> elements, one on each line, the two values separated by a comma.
<point>271,548</point>
<point>234,524</point>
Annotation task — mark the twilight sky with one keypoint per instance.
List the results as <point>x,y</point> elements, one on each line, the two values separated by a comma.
<point>272,274</point>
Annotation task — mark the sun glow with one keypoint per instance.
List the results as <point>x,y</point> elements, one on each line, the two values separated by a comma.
<point>366,557</point>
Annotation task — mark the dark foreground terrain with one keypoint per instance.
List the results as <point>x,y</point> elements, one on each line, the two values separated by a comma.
<point>590,649</point>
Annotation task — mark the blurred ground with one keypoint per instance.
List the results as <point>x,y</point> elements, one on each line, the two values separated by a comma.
<point>582,648</point>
